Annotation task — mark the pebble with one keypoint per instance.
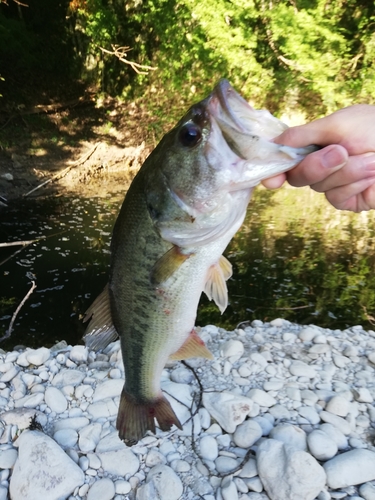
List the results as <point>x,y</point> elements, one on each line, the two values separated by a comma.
<point>166,483</point>
<point>103,489</point>
<point>321,446</point>
<point>350,468</point>
<point>247,434</point>
<point>208,448</point>
<point>290,435</point>
<point>55,399</point>
<point>338,405</point>
<point>261,397</point>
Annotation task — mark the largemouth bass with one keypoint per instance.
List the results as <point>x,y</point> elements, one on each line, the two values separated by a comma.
<point>182,209</point>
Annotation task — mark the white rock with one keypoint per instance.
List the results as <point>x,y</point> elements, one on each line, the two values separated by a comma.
<point>338,405</point>
<point>367,491</point>
<point>122,487</point>
<point>182,376</point>
<point>68,377</point>
<point>180,466</point>
<point>321,446</point>
<point>89,437</point>
<point>249,469</point>
<point>94,461</point>
<point>22,359</point>
<point>208,448</point>
<point>66,438</point>
<point>71,423</point>
<point>119,462</point>
<point>273,385</point>
<point>228,489</point>
<point>154,457</point>
<point>338,422</point>
<point>10,374</point>
<point>350,468</point>
<point>290,435</point>
<point>102,409</point>
<point>103,489</point>
<point>38,357</point>
<point>279,412</point>
<point>30,401</point>
<point>21,417</point>
<point>301,369</point>
<point>43,466</point>
<point>266,424</point>
<point>309,414</point>
<point>307,334</point>
<point>228,409</point>
<point>108,389</point>
<point>232,348</point>
<point>110,442</point>
<point>261,397</point>
<point>336,435</point>
<point>225,464</point>
<point>287,473</point>
<point>79,354</point>
<point>247,433</point>
<point>8,458</point>
<point>363,395</point>
<point>55,399</point>
<point>340,361</point>
<point>166,483</point>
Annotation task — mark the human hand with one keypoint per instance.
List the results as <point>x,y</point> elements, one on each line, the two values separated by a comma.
<point>345,169</point>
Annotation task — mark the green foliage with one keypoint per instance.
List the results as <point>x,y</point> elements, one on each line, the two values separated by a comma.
<point>311,56</point>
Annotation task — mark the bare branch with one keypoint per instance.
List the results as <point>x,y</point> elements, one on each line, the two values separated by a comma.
<point>66,170</point>
<point>8,333</point>
<point>120,53</point>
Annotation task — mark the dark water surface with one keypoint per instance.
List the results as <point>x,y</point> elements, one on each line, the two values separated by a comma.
<point>295,257</point>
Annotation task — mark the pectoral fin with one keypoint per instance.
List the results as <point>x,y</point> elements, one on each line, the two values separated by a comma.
<point>194,347</point>
<point>216,287</point>
<point>168,264</point>
<point>100,332</point>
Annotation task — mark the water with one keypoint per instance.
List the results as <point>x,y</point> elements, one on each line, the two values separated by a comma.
<point>295,257</point>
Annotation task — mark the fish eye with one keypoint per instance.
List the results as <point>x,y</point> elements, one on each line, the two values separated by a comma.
<point>190,134</point>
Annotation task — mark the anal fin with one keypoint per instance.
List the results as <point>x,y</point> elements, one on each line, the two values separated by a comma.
<point>193,347</point>
<point>100,332</point>
<point>216,287</point>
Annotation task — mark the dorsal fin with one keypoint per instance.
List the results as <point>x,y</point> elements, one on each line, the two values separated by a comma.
<point>216,287</point>
<point>100,332</point>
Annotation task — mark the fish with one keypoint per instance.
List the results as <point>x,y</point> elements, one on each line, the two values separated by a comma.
<point>182,209</point>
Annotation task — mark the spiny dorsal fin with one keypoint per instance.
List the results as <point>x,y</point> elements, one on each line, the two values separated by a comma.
<point>100,332</point>
<point>216,287</point>
<point>168,264</point>
<point>193,347</point>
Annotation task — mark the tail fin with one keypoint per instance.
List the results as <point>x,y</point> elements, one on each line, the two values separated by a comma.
<point>135,417</point>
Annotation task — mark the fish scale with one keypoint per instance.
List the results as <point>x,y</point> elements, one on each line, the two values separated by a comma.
<point>182,209</point>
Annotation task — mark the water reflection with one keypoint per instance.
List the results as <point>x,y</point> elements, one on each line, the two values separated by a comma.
<point>295,257</point>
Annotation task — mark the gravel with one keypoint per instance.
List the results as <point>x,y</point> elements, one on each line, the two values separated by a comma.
<point>287,413</point>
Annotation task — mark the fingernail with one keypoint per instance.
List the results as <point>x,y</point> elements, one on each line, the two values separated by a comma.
<point>334,158</point>
<point>369,162</point>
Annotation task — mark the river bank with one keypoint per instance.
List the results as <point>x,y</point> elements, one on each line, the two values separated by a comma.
<point>283,412</point>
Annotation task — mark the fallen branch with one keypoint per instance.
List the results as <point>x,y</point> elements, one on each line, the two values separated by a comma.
<point>16,243</point>
<point>81,160</point>
<point>7,335</point>
<point>120,53</point>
